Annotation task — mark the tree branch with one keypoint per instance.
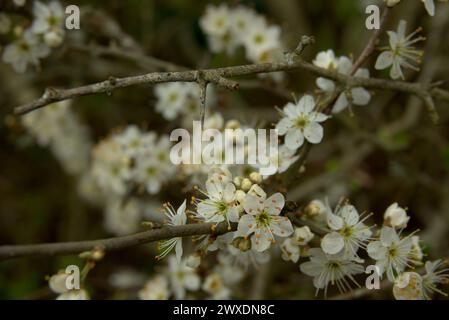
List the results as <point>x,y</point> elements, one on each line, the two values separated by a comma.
<point>219,76</point>
<point>111,244</point>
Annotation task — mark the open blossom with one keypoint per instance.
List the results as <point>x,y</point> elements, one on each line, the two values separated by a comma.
<point>280,161</point>
<point>49,20</point>
<point>58,284</point>
<point>392,254</point>
<point>359,95</point>
<point>396,217</point>
<point>348,231</point>
<point>25,51</point>
<point>401,52</point>
<point>290,251</point>
<point>155,289</point>
<point>301,122</point>
<point>413,286</point>
<point>408,286</point>
<point>182,278</point>
<point>263,222</point>
<point>333,269</point>
<point>178,218</point>
<point>221,203</point>
<point>213,285</point>
<point>302,236</point>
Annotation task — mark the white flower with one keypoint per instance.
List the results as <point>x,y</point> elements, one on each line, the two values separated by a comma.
<point>401,52</point>
<point>412,286</point>
<point>392,254</point>
<point>47,17</point>
<point>301,122</point>
<point>248,258</point>
<point>213,285</point>
<point>408,286</point>
<point>436,273</point>
<point>359,95</point>
<point>241,20</point>
<point>220,205</point>
<point>74,295</point>
<point>430,6</point>
<point>333,269</point>
<point>217,24</point>
<point>290,250</point>
<point>396,217</point>
<point>111,168</point>
<point>326,60</point>
<point>178,218</point>
<point>122,217</point>
<point>59,128</point>
<point>182,278</point>
<point>262,42</point>
<point>153,167</point>
<point>49,21</point>
<point>263,221</point>
<point>170,99</point>
<point>348,231</point>
<point>27,50</point>
<point>230,272</point>
<point>280,161</point>
<point>58,282</point>
<point>155,289</point>
<point>302,236</point>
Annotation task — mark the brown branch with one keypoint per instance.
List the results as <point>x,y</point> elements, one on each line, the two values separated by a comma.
<point>111,244</point>
<point>220,76</point>
<point>372,42</point>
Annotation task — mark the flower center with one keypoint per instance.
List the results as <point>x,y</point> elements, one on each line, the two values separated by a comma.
<point>302,122</point>
<point>263,219</point>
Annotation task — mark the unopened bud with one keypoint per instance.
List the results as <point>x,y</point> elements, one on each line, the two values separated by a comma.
<point>255,177</point>
<point>246,184</point>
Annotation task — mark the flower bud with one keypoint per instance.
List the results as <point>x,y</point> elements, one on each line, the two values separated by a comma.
<point>396,216</point>
<point>246,184</point>
<point>257,191</point>
<point>57,282</point>
<point>232,124</point>
<point>238,181</point>
<point>255,177</point>
<point>314,208</point>
<point>302,236</point>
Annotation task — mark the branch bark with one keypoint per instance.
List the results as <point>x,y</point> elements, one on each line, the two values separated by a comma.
<point>111,244</point>
<point>220,76</point>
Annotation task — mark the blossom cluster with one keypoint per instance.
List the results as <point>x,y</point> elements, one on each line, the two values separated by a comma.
<point>229,28</point>
<point>60,129</point>
<point>35,43</point>
<point>181,99</point>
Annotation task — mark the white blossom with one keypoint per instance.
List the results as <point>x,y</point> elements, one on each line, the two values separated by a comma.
<point>392,254</point>
<point>178,218</point>
<point>290,251</point>
<point>301,122</point>
<point>221,204</point>
<point>182,278</point>
<point>359,95</point>
<point>213,285</point>
<point>26,50</point>
<point>333,269</point>
<point>401,52</point>
<point>348,234</point>
<point>262,221</point>
<point>155,289</point>
<point>396,217</point>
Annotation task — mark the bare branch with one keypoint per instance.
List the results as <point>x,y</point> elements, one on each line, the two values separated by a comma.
<point>220,76</point>
<point>111,244</point>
